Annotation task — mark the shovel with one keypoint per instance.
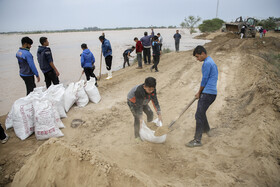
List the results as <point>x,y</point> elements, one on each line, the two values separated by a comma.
<point>165,129</point>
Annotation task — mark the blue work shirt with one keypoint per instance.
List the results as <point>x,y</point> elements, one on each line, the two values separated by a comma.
<point>26,63</point>
<point>209,76</point>
<point>106,48</point>
<point>87,59</point>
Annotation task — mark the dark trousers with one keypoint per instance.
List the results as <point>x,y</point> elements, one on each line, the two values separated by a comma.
<point>147,54</point>
<point>139,59</point>
<point>156,62</point>
<point>147,110</point>
<point>29,83</point>
<point>177,43</point>
<point>50,77</point>
<point>89,73</point>
<point>126,60</point>
<point>108,61</point>
<point>202,125</point>
<point>2,133</point>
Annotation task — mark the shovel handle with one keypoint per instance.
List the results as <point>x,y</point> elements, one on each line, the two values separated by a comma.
<point>184,110</point>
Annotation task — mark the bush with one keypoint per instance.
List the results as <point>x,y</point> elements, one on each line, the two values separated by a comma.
<point>211,25</point>
<point>166,50</point>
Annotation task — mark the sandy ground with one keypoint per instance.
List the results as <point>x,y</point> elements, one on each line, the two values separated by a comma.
<point>244,151</point>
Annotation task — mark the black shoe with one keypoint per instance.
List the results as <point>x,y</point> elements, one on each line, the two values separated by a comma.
<point>194,143</point>
<point>156,71</point>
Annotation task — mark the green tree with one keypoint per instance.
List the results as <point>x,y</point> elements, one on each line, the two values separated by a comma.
<point>183,24</point>
<point>211,25</point>
<point>269,23</point>
<point>190,23</point>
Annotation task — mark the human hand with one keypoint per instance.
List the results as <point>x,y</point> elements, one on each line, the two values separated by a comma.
<point>197,96</point>
<point>38,79</point>
<point>57,73</point>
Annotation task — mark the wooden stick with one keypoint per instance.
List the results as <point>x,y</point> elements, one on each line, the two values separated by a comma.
<point>100,65</point>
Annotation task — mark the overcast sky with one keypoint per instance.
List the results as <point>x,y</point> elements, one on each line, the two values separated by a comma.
<point>30,15</point>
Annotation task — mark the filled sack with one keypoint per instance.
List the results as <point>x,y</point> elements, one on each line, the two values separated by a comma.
<point>56,94</point>
<point>21,117</point>
<point>82,97</point>
<point>147,134</point>
<point>46,120</point>
<point>92,91</point>
<point>69,96</point>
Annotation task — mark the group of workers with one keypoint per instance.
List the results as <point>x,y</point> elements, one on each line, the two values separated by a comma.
<point>140,95</point>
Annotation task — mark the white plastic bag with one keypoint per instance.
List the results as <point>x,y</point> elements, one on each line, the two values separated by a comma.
<point>82,98</point>
<point>46,116</point>
<point>56,94</point>
<point>92,91</point>
<point>9,120</point>
<point>69,96</point>
<point>23,117</point>
<point>147,134</point>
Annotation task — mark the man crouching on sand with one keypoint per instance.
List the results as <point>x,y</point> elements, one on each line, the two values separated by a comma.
<point>138,99</point>
<point>206,94</point>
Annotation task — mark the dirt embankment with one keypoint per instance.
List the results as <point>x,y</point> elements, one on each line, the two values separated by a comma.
<point>244,150</point>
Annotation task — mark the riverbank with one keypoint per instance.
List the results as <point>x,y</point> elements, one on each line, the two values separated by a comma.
<point>244,150</point>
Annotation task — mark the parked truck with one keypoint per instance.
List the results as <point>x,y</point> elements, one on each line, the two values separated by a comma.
<point>236,26</point>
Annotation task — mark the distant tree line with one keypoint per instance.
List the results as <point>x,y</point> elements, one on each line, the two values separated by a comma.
<point>212,25</point>
<point>269,23</point>
<point>86,29</point>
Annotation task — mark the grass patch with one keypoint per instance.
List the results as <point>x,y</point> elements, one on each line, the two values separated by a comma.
<point>274,60</point>
<point>166,50</point>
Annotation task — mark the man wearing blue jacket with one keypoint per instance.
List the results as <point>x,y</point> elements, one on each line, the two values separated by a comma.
<point>146,42</point>
<point>107,53</point>
<point>27,68</point>
<point>206,94</point>
<point>87,62</point>
<point>45,59</point>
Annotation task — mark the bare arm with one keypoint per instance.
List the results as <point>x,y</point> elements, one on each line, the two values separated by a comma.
<point>56,71</point>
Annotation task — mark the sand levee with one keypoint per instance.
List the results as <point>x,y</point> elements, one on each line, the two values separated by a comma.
<point>243,151</point>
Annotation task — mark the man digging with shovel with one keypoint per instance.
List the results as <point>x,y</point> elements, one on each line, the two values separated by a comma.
<point>206,95</point>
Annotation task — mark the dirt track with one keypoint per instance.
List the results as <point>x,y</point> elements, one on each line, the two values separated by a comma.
<point>102,152</point>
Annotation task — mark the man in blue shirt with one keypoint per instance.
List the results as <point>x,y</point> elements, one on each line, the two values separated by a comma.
<point>27,68</point>
<point>87,62</point>
<point>45,59</point>
<point>206,94</point>
<point>107,53</point>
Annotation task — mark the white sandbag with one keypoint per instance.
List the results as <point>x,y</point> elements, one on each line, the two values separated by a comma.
<point>56,94</point>
<point>92,91</point>
<point>9,119</point>
<point>23,117</point>
<point>45,120</point>
<point>147,134</point>
<point>40,89</point>
<point>69,96</point>
<point>82,98</point>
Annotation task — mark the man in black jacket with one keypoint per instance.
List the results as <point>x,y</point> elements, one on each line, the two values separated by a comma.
<point>138,99</point>
<point>156,53</point>
<point>45,59</point>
